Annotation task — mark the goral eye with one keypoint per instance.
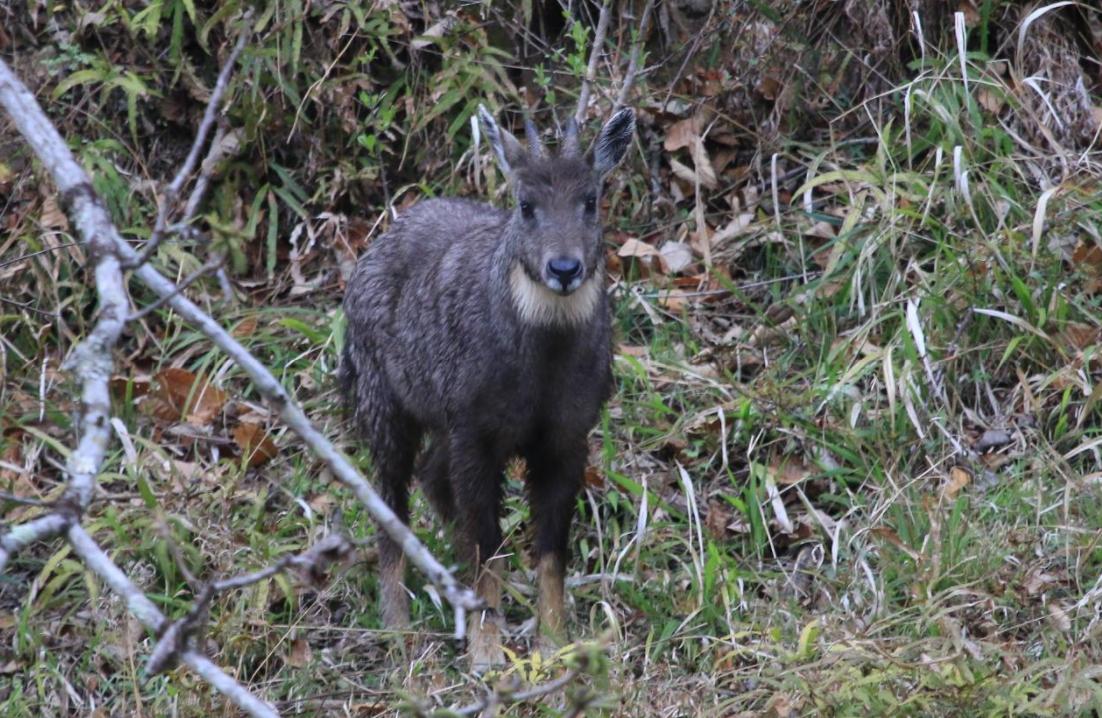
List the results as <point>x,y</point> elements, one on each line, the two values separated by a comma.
<point>527,209</point>
<point>591,203</point>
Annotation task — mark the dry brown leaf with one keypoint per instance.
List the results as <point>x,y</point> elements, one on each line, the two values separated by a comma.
<point>893,538</point>
<point>139,386</point>
<point>1089,256</point>
<point>180,393</point>
<point>256,443</point>
<point>990,100</point>
<point>52,217</point>
<point>972,16</point>
<point>246,327</point>
<point>322,503</point>
<point>703,164</point>
<point>634,248</point>
<point>787,471</point>
<point>959,477</point>
<point>594,479</point>
<point>683,132</point>
<point>673,300</point>
<point>300,654</point>
<point>683,172</point>
<point>1037,581</point>
<point>717,519</point>
<point>769,86</point>
<point>821,230</point>
<point>1059,618</point>
<point>1079,336</point>
<point>734,228</point>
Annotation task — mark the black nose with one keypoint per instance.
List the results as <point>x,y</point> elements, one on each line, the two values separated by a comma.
<point>564,269</point>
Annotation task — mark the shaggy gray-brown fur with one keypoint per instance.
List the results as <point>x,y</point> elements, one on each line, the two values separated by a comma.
<point>487,332</point>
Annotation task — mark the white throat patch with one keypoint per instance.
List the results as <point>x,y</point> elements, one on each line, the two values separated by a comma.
<point>537,304</point>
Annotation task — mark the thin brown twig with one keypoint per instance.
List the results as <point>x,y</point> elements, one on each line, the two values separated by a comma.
<point>5,496</point>
<point>29,308</point>
<point>211,265</point>
<point>24,257</point>
<point>591,67</point>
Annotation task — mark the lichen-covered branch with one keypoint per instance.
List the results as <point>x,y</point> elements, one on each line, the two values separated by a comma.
<point>92,363</point>
<point>109,248</point>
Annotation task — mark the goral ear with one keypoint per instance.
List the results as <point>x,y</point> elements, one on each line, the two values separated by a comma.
<point>508,150</point>
<point>612,143</point>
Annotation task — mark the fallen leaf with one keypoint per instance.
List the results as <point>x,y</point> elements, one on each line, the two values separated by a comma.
<point>180,393</point>
<point>1078,335</point>
<point>734,228</point>
<point>632,351</point>
<point>634,248</point>
<point>990,100</point>
<point>958,479</point>
<point>255,442</point>
<point>683,132</point>
<point>321,503</point>
<point>703,164</point>
<point>1088,254</point>
<point>300,654</point>
<point>717,519</point>
<point>1037,581</point>
<point>246,327</point>
<point>683,172</point>
<point>593,478</point>
<point>787,471</point>
<point>675,257</point>
<point>52,217</point>
<point>1059,617</point>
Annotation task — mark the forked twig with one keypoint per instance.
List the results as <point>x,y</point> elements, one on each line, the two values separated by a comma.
<point>210,115</point>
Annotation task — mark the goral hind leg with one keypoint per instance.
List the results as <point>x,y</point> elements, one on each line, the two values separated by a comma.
<point>554,479</point>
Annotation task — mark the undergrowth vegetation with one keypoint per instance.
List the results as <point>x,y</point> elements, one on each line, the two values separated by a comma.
<point>853,465</point>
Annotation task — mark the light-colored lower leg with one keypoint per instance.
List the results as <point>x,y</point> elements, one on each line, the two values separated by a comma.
<point>393,599</point>
<point>484,628</point>
<point>551,608</point>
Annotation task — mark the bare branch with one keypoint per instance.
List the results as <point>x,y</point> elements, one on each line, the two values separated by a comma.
<point>109,247</point>
<point>210,115</point>
<point>91,362</point>
<point>591,68</point>
<point>25,257</point>
<point>150,616</point>
<point>5,496</point>
<point>19,537</point>
<point>633,63</point>
<point>29,308</point>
